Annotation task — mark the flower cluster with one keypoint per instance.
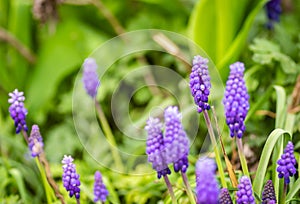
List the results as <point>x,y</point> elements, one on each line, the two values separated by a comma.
<point>35,141</point>
<point>90,77</point>
<point>70,177</point>
<point>286,164</point>
<point>244,193</point>
<point>273,9</point>
<point>176,141</point>
<point>207,189</point>
<point>100,191</point>
<point>200,83</point>
<point>236,100</point>
<point>171,148</point>
<point>155,147</point>
<point>17,110</point>
<point>224,197</point>
<point>268,194</point>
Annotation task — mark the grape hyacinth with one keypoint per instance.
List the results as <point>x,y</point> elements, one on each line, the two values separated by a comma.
<point>200,83</point>
<point>100,191</point>
<point>207,190</point>
<point>70,178</point>
<point>17,110</point>
<point>244,193</point>
<point>224,197</point>
<point>35,141</point>
<point>155,147</point>
<point>236,100</point>
<point>273,10</point>
<point>287,163</point>
<point>90,77</point>
<point>268,194</point>
<point>176,141</point>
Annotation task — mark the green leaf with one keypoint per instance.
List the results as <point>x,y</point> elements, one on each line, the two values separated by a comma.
<point>280,106</point>
<point>293,190</point>
<point>21,186</point>
<point>265,158</point>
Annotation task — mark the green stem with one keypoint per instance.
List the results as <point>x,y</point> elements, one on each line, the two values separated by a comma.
<point>188,188</point>
<point>77,201</point>
<point>169,186</point>
<point>282,200</point>
<point>110,137</point>
<point>48,189</point>
<point>215,147</point>
<point>242,157</point>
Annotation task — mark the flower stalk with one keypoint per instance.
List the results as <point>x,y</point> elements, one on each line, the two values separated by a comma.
<point>170,189</point>
<point>242,157</point>
<point>188,188</point>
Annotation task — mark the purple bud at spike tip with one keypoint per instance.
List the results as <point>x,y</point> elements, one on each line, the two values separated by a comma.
<point>90,77</point>
<point>70,177</point>
<point>286,164</point>
<point>35,141</point>
<point>207,190</point>
<point>268,194</point>
<point>244,193</point>
<point>155,147</point>
<point>100,191</point>
<point>17,110</point>
<point>224,197</point>
<point>175,140</point>
<point>200,83</point>
<point>236,100</point>
<point>273,9</point>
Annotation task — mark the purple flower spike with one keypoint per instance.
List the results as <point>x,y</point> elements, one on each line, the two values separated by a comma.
<point>224,197</point>
<point>100,191</point>
<point>244,193</point>
<point>90,77</point>
<point>176,141</point>
<point>207,189</point>
<point>70,178</point>
<point>200,83</point>
<point>155,147</point>
<point>268,194</point>
<point>236,100</point>
<point>17,110</point>
<point>273,9</point>
<point>35,141</point>
<point>287,163</point>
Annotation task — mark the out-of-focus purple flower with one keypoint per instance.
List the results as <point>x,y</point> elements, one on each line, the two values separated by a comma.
<point>90,77</point>
<point>200,83</point>
<point>286,164</point>
<point>207,190</point>
<point>17,110</point>
<point>236,100</point>
<point>155,147</point>
<point>70,177</point>
<point>176,141</point>
<point>268,194</point>
<point>35,141</point>
<point>224,197</point>
<point>273,9</point>
<point>244,193</point>
<point>100,191</point>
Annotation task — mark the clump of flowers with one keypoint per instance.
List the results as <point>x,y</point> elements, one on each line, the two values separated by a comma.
<point>90,77</point>
<point>35,141</point>
<point>70,177</point>
<point>236,100</point>
<point>286,164</point>
<point>268,194</point>
<point>100,191</point>
<point>155,147</point>
<point>17,110</point>
<point>224,197</point>
<point>176,141</point>
<point>244,193</point>
<point>207,189</point>
<point>200,83</point>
